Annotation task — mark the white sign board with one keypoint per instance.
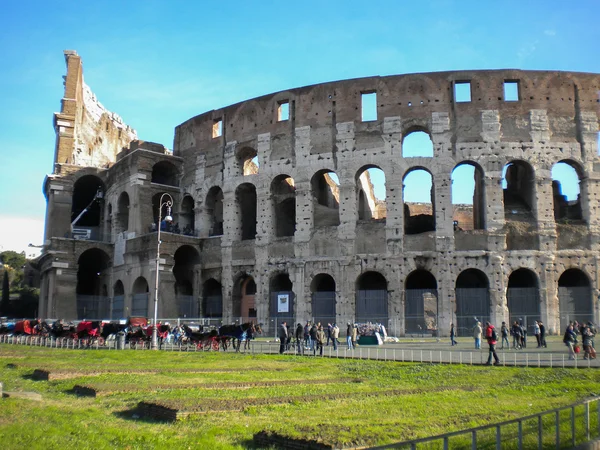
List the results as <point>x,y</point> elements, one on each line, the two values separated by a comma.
<point>283,303</point>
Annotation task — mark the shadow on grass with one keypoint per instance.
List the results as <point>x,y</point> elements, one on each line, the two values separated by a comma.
<point>136,415</point>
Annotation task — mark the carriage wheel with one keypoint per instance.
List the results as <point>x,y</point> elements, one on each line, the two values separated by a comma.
<point>215,345</point>
<point>101,341</point>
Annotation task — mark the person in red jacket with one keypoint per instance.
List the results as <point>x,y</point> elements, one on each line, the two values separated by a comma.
<point>492,339</point>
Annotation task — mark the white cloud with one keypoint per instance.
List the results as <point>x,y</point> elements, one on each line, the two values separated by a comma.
<point>550,32</point>
<point>16,233</point>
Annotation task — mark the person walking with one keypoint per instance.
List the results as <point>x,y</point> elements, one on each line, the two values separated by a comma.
<point>477,331</point>
<point>335,333</point>
<point>504,333</point>
<point>349,336</point>
<point>542,334</point>
<point>354,335</point>
<point>536,333</point>
<point>328,333</point>
<point>570,340</point>
<point>307,335</point>
<point>283,337</point>
<point>523,334</point>
<point>313,337</point>
<point>452,335</point>
<point>320,339</point>
<point>300,338</point>
<point>492,339</point>
<point>516,334</point>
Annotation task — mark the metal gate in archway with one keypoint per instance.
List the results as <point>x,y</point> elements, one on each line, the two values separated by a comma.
<point>372,306</point>
<point>420,310</point>
<point>323,306</point>
<point>575,303</point>
<point>471,304</point>
<point>523,306</point>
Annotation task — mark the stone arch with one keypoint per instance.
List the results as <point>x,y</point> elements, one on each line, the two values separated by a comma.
<point>247,161</point>
<point>323,298</point>
<point>186,216</point>
<point>371,193</point>
<point>123,212</point>
<point>372,298</point>
<point>325,189</point>
<point>420,302</point>
<point>282,298</point>
<point>243,298</point>
<point>165,172</point>
<point>214,210</point>
<point>87,204</point>
<point>468,196</point>
<point>518,182</point>
<point>472,291</point>
<point>566,183</point>
<point>140,297</point>
<point>245,196</point>
<point>419,216</point>
<point>212,299</point>
<point>417,142</point>
<point>118,307</point>
<point>575,297</point>
<point>523,297</point>
<point>283,197</point>
<point>185,259</point>
<point>92,275</point>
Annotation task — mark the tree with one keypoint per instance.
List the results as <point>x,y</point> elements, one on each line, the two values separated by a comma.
<point>5,303</point>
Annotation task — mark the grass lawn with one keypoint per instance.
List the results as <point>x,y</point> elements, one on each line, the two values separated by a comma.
<point>346,402</point>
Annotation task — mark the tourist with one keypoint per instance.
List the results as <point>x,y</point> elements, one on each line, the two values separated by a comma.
<point>477,335</point>
<point>349,336</point>
<point>504,333</point>
<point>328,333</point>
<point>516,334</point>
<point>523,334</point>
<point>320,340</point>
<point>300,338</point>
<point>452,335</point>
<point>570,340</point>
<point>313,337</point>
<point>354,336</point>
<point>307,335</point>
<point>492,339</point>
<point>542,334</point>
<point>335,333</point>
<point>586,341</point>
<point>536,333</point>
<point>283,336</point>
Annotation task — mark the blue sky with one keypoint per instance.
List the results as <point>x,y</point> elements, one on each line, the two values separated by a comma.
<point>158,63</point>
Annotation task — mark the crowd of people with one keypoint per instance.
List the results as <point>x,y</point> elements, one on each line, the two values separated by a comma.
<point>312,337</point>
<point>571,339</point>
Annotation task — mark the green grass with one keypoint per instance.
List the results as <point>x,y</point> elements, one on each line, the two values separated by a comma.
<point>415,400</point>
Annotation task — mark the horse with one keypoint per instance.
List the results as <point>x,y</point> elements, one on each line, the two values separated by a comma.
<point>238,333</point>
<point>201,339</point>
<point>60,329</point>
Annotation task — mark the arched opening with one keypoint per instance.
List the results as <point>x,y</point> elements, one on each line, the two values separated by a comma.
<point>523,298</point>
<point>518,183</point>
<point>472,300</point>
<point>166,173</point>
<point>283,195</point>
<point>214,210</point>
<point>243,298</point>
<point>575,297</point>
<point>468,197</point>
<point>140,297</point>
<point>417,143</point>
<point>92,299</point>
<point>245,196</point>
<point>325,186</point>
<point>186,216</point>
<point>566,192</point>
<point>322,290</point>
<point>87,208</point>
<point>123,213</point>
<point>212,299</point>
<point>282,298</point>
<point>371,194</point>
<point>247,159</point>
<point>164,212</point>
<point>419,202</point>
<point>118,309</point>
<point>186,258</point>
<point>371,298</point>
<point>421,302</point>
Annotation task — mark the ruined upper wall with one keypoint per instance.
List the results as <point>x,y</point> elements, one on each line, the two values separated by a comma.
<point>87,135</point>
<point>563,105</point>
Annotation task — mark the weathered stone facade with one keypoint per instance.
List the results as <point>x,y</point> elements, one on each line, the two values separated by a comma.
<point>274,237</point>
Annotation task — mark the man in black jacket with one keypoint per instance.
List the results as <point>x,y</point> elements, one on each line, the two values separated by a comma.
<point>283,336</point>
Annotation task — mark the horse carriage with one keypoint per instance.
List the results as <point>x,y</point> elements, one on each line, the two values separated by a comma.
<point>236,334</point>
<point>208,340</point>
<point>89,331</point>
<point>137,333</point>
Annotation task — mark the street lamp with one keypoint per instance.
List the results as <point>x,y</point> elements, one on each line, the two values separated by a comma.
<point>168,218</point>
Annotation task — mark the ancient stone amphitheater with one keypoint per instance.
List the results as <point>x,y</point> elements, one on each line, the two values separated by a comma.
<point>297,205</point>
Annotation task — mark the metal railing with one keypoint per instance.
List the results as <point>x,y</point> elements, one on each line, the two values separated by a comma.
<point>558,428</point>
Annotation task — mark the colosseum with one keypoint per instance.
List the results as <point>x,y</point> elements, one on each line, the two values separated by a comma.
<point>294,205</point>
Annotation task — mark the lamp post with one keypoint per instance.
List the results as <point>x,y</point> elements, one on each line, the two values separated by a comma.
<point>168,218</point>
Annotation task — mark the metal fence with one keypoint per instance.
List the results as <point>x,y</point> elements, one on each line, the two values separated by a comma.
<point>558,428</point>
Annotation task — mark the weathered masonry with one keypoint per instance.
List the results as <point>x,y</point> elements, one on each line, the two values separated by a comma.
<point>276,211</point>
